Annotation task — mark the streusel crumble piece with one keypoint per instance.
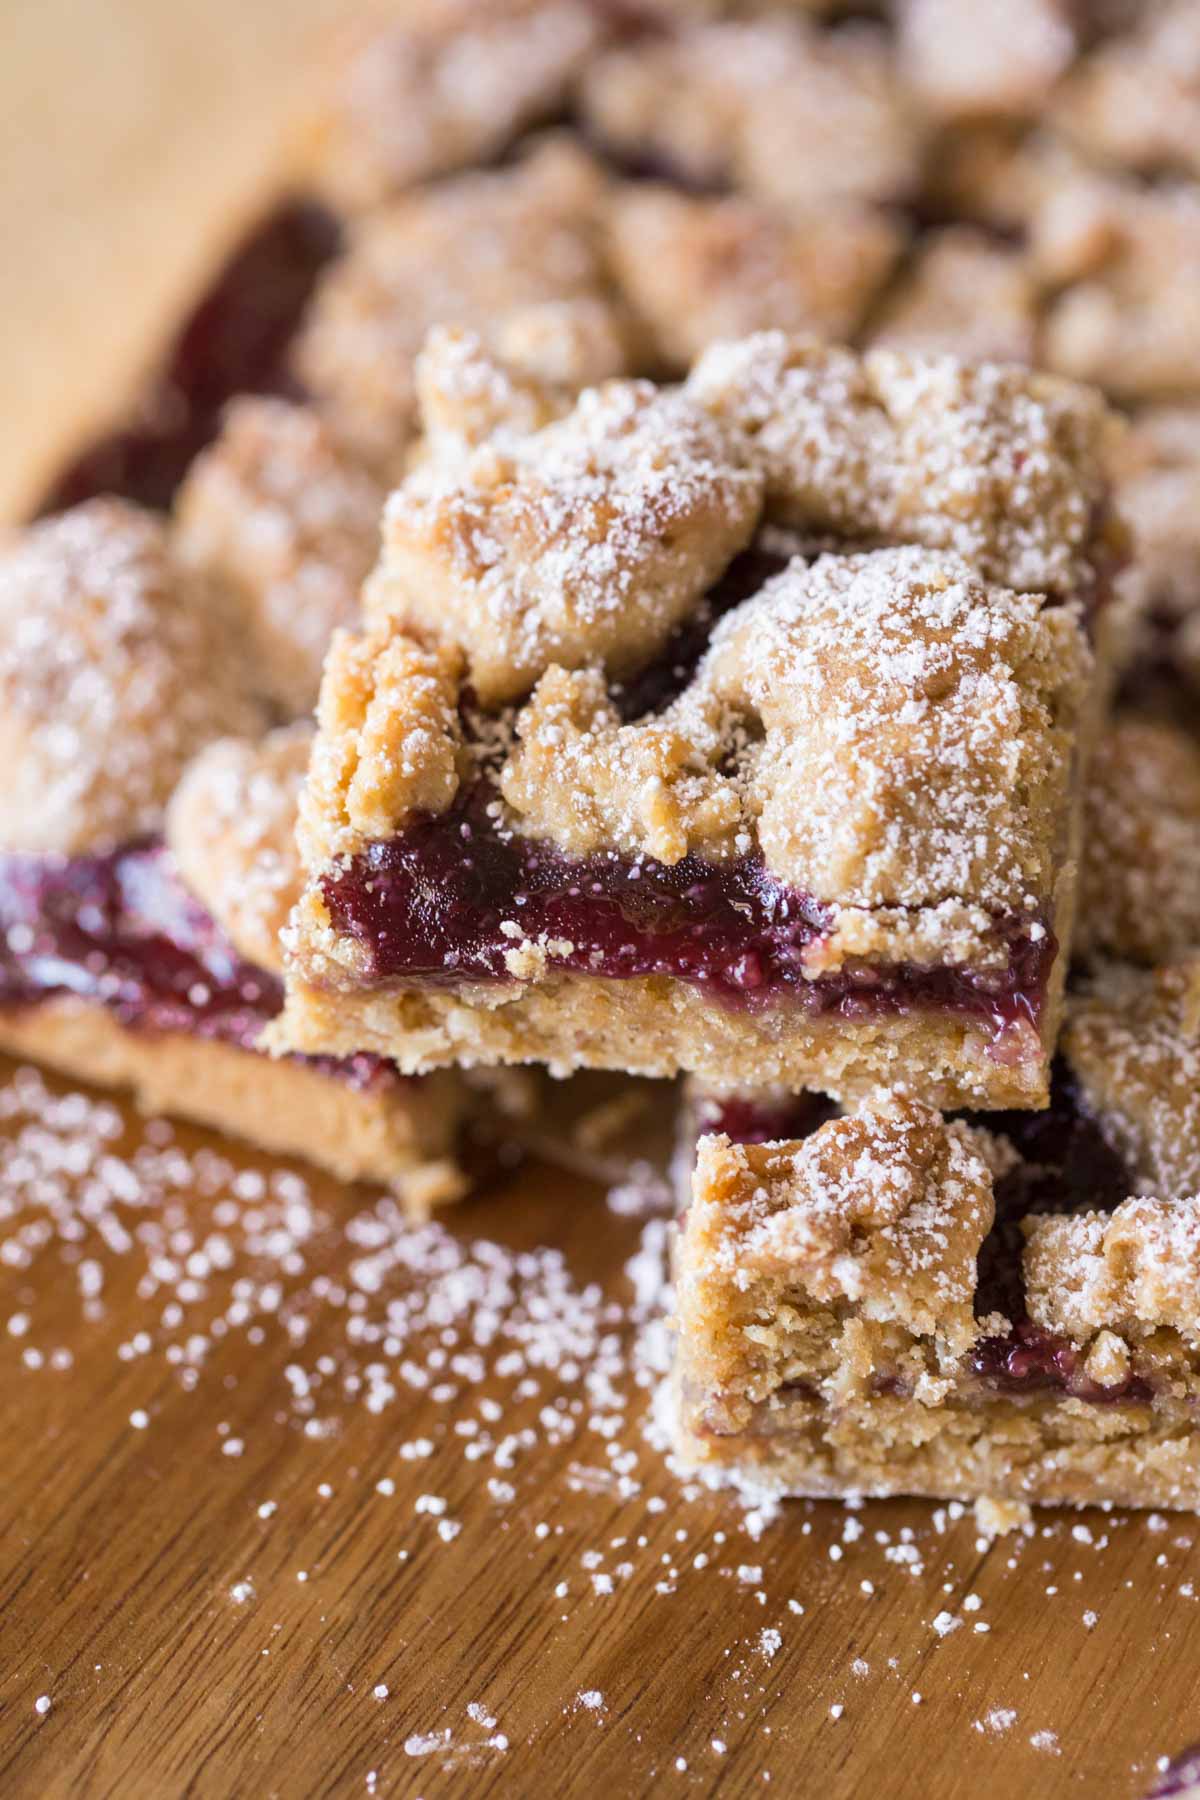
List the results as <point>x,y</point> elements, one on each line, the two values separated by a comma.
<point>1132,1043</point>
<point>448,85</point>
<point>698,267</point>
<point>965,294</point>
<point>513,251</point>
<point>1133,101</point>
<point>996,60</point>
<point>774,106</point>
<point>282,516</point>
<point>1139,895</point>
<point>116,664</point>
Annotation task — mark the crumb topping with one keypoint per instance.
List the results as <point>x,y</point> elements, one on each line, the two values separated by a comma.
<point>231,827</point>
<point>1133,1045</point>
<point>1158,490</point>
<point>586,541</point>
<point>964,294</point>
<point>716,103</point>
<point>115,667</point>
<point>889,730</point>
<point>699,268</point>
<point>882,1212</point>
<point>388,744</point>
<point>484,250</point>
<point>1134,100</point>
<point>1140,865</point>
<point>287,520</point>
<point>1130,1272</point>
<point>1002,465</point>
<point>449,84</point>
<point>985,62</point>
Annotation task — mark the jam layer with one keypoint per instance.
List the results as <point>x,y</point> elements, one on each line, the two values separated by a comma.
<point>122,930</point>
<point>447,901</point>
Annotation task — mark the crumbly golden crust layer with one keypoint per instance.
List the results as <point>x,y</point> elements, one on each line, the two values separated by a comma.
<point>587,541</point>
<point>1002,465</point>
<point>115,666</point>
<point>404,1135</point>
<point>657,1027</point>
<point>283,516</point>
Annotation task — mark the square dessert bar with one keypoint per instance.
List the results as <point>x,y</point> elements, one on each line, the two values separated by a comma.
<point>147,862</point>
<point>734,728</point>
<point>894,1302</point>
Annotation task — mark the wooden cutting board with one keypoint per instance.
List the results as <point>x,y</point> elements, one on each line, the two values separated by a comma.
<point>298,1501</point>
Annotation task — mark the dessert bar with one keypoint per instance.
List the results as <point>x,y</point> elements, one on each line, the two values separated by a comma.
<point>734,728</point>
<point>149,962</point>
<point>897,1303</point>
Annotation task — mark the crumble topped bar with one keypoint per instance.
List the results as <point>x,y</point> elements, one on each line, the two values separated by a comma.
<point>1139,894</point>
<point>609,780</point>
<point>116,664</point>
<point>132,964</point>
<point>277,512</point>
<point>515,253</point>
<point>897,1303</point>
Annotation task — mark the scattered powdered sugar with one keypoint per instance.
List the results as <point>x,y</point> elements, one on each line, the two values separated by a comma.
<point>509,1354</point>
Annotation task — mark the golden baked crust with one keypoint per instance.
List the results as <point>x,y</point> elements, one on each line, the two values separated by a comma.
<point>279,513</point>
<point>1129,318</point>
<point>1140,869</point>
<point>1132,1043</point>
<point>856,721</point>
<point>1002,465</point>
<point>403,1134</point>
<point>509,250</point>
<point>116,665</point>
<point>388,745</point>
<point>451,83</point>
<point>696,268</point>
<point>231,828</point>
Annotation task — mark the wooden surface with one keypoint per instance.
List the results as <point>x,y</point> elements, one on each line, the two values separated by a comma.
<point>190,1422</point>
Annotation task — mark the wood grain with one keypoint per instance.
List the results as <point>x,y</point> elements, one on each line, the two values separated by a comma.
<point>134,139</point>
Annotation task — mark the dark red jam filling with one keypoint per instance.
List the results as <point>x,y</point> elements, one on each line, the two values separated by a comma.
<point>1067,1166</point>
<point>234,342</point>
<point>122,930</point>
<point>432,905</point>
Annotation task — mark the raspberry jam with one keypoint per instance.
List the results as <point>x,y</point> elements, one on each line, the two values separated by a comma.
<point>122,930</point>
<point>234,342</point>
<point>448,900</point>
